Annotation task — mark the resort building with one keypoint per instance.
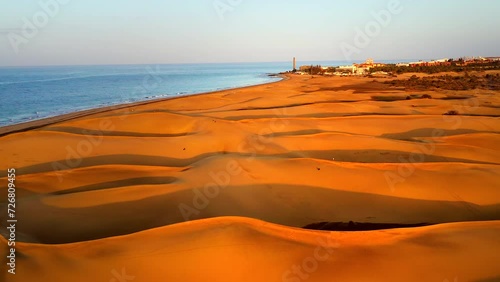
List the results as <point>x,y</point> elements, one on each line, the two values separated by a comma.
<point>441,62</point>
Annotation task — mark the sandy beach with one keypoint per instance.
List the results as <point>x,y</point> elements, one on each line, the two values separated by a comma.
<point>217,187</point>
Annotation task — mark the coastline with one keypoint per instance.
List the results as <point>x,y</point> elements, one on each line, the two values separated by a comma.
<point>202,179</point>
<point>30,125</point>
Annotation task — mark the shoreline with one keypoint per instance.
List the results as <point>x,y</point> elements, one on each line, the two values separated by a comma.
<point>329,153</point>
<point>34,124</point>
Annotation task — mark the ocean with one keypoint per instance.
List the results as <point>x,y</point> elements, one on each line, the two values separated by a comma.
<point>30,93</point>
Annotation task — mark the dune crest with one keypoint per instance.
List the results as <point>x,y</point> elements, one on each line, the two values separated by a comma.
<point>216,187</point>
<point>229,248</point>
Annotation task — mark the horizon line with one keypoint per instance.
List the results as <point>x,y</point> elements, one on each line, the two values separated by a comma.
<point>213,63</point>
<point>189,63</point>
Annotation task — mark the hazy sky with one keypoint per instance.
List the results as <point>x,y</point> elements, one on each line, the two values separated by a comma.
<point>197,31</point>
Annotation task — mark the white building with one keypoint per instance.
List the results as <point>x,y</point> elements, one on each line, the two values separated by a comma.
<point>351,68</point>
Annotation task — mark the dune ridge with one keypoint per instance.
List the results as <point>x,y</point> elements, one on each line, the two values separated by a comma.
<point>221,182</point>
<point>203,250</point>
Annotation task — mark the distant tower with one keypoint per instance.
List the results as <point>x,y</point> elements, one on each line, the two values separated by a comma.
<point>294,64</point>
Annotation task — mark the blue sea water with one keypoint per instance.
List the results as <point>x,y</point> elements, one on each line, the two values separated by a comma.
<point>30,93</point>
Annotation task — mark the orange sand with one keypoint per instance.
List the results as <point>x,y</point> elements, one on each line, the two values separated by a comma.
<point>110,191</point>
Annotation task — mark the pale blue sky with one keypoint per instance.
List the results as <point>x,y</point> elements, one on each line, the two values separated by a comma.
<point>192,31</point>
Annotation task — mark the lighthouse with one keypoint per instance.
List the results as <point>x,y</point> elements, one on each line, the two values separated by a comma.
<point>294,64</point>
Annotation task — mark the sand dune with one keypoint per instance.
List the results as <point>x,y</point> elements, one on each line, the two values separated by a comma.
<point>175,189</point>
<point>240,249</point>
